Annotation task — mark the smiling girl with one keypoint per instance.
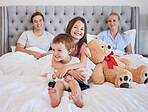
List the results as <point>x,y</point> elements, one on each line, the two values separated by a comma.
<point>77,29</point>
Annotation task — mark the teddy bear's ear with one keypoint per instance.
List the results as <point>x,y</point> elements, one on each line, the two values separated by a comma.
<point>87,52</point>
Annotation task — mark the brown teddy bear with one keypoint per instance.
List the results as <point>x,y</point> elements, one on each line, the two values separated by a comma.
<point>111,68</point>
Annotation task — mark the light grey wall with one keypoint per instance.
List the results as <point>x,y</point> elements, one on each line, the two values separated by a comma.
<point>141,3</point>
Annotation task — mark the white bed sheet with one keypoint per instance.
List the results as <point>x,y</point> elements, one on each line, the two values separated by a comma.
<point>13,63</point>
<point>24,94</point>
<point>22,91</point>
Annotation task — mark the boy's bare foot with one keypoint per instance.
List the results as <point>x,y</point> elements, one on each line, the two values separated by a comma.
<point>54,96</point>
<point>76,97</point>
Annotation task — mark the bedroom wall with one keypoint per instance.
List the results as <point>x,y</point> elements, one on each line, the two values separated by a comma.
<point>141,3</point>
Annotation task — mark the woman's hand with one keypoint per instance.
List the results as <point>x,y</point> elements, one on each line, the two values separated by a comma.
<point>127,53</point>
<point>129,49</point>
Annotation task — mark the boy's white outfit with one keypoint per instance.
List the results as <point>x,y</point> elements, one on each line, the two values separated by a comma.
<point>87,72</point>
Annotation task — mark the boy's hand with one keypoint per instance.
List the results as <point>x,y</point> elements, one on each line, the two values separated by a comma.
<point>44,75</point>
<point>54,76</point>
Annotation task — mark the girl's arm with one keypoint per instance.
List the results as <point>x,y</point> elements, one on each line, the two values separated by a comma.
<point>57,65</point>
<point>129,49</point>
<point>62,70</point>
<point>81,64</point>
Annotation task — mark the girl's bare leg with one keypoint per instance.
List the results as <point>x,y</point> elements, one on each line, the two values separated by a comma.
<point>75,93</point>
<point>56,93</point>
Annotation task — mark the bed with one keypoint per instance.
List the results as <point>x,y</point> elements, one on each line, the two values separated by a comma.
<point>23,90</point>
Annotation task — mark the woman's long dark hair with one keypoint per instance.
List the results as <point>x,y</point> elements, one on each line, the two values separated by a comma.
<point>84,38</point>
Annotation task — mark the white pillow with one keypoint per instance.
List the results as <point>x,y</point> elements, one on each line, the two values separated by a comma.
<point>90,37</point>
<point>118,52</point>
<point>132,34</point>
<point>13,48</point>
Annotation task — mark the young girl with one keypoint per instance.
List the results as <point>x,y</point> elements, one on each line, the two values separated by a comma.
<point>77,29</point>
<point>114,36</point>
<point>61,50</point>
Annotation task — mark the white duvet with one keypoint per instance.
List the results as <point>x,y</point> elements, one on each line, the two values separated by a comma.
<point>23,90</point>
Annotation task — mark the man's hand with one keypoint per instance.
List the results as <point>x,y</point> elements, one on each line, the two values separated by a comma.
<point>20,47</point>
<point>37,55</point>
<point>45,54</point>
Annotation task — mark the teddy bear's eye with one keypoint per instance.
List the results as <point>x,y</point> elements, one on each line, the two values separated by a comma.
<point>102,46</point>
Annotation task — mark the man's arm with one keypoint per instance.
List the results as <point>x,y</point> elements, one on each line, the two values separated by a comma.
<point>20,47</point>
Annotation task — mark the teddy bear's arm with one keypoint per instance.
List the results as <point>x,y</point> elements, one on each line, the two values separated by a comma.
<point>98,76</point>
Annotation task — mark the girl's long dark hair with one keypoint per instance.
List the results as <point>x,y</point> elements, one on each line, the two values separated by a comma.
<point>84,38</point>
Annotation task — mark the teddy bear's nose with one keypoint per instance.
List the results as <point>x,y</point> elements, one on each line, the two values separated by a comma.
<point>109,47</point>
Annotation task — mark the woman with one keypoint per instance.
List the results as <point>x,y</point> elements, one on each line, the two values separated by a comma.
<point>114,36</point>
<point>35,38</point>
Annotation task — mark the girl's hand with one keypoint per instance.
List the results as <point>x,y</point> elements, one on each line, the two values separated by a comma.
<point>78,75</point>
<point>60,74</point>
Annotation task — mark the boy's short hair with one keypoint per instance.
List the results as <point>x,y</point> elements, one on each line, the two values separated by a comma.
<point>65,39</point>
<point>36,14</point>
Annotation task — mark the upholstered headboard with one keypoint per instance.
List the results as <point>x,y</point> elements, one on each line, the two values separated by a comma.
<point>16,19</point>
